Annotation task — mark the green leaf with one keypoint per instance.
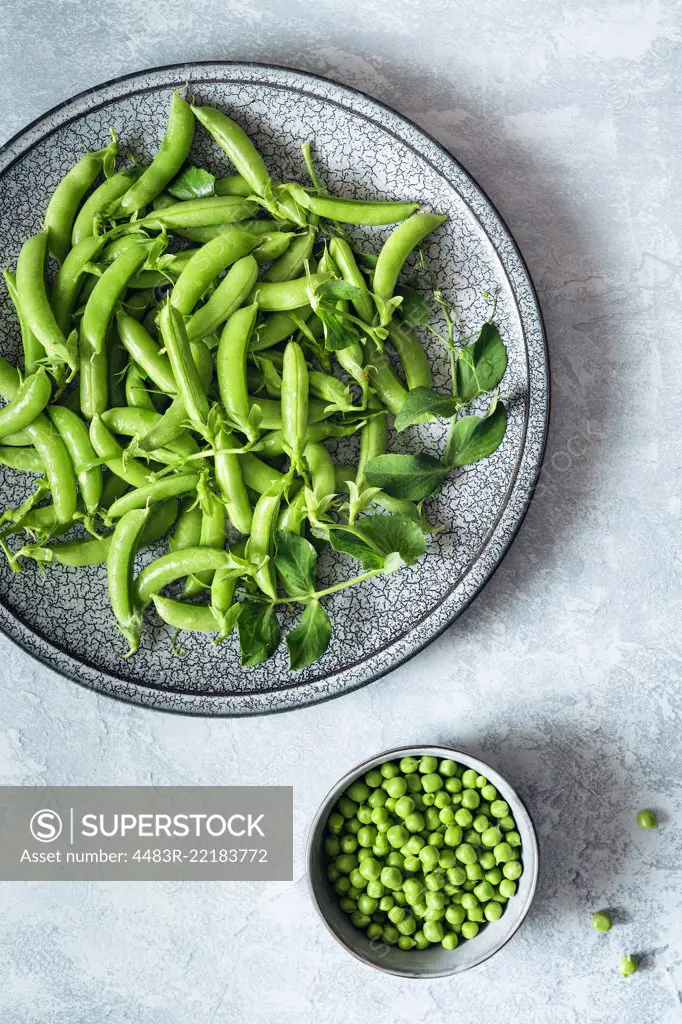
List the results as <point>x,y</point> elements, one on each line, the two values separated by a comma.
<point>346,540</point>
<point>310,639</point>
<point>339,332</point>
<point>480,365</point>
<point>337,289</point>
<point>296,562</point>
<point>192,183</point>
<point>473,438</point>
<point>394,533</point>
<point>405,476</point>
<point>259,632</point>
<point>424,400</point>
<point>415,308</point>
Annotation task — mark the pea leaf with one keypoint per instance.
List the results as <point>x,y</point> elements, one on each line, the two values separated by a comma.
<point>310,639</point>
<point>339,332</point>
<point>259,632</point>
<point>473,438</point>
<point>405,476</point>
<point>424,400</point>
<point>192,183</point>
<point>336,289</point>
<point>415,308</point>
<point>345,539</point>
<point>394,533</point>
<point>480,365</point>
<point>296,562</point>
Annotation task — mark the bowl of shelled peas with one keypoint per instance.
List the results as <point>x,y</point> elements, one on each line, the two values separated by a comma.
<point>422,861</point>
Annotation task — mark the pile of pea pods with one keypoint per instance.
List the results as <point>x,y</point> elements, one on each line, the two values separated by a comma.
<point>192,347</point>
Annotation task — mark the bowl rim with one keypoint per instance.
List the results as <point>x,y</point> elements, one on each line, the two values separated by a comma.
<point>454,754</point>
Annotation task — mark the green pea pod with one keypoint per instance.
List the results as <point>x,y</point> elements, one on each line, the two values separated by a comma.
<point>74,434</point>
<point>93,380</point>
<point>206,264</point>
<point>112,488</point>
<point>120,575</point>
<point>36,305</point>
<point>342,254</point>
<point>232,185</point>
<point>251,225</point>
<point>272,444</point>
<point>145,351</point>
<point>31,398</point>
<point>278,327</point>
<point>212,536</point>
<point>373,439</point>
<point>66,198</point>
<point>188,382</point>
<point>292,517</point>
<point>228,474</point>
<point>412,356</point>
<point>261,543</point>
<point>239,148</point>
<point>321,469</point>
<point>194,618</point>
<point>168,160</point>
<point>188,530</point>
<point>175,565</point>
<point>99,309</point>
<point>271,412</point>
<point>199,213</point>
<point>398,247</point>
<point>294,399</point>
<point>383,377</point>
<point>136,392</point>
<point>331,389</point>
<point>258,476</point>
<point>223,588</point>
<point>98,201</point>
<point>107,447</point>
<point>141,423</point>
<point>225,300</point>
<point>292,263</point>
<point>352,211</point>
<point>21,458</point>
<point>286,295</point>
<point>170,427</point>
<point>68,280</point>
<point>153,493</point>
<point>33,350</point>
<point>231,368</point>
<point>272,246</point>
<point>351,359</point>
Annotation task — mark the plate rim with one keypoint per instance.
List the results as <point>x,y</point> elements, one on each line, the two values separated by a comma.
<point>145,695</point>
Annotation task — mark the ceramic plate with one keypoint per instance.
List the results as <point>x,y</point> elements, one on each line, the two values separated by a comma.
<point>363,149</point>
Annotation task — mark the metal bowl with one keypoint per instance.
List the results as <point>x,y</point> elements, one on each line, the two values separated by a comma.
<point>434,962</point>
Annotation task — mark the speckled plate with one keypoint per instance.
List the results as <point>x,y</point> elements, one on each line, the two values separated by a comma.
<point>363,149</point>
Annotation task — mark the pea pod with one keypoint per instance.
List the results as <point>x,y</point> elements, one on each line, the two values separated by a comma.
<point>155,492</point>
<point>252,226</point>
<point>271,412</point>
<point>292,517</point>
<point>228,473</point>
<point>107,447</point>
<point>352,211</point>
<point>231,368</point>
<point>234,141</point>
<point>232,185</point>
<point>228,297</point>
<point>98,201</point>
<point>222,594</point>
<point>31,397</point>
<point>200,213</point>
<point>99,309</point>
<point>33,350</point>
<point>383,377</point>
<point>294,400</point>
<point>292,262</point>
<point>36,305</point>
<point>166,163</point>
<point>398,247</point>
<point>66,198</point>
<point>278,327</point>
<point>412,356</point>
<point>144,350</point>
<point>342,254</point>
<point>188,382</point>
<point>170,427</point>
<point>372,439</point>
<point>212,536</point>
<point>206,264</point>
<point>272,246</point>
<point>321,469</point>
<point>175,565</point>
<point>258,476</point>
<point>68,280</point>
<point>261,543</point>
<point>195,618</point>
<point>74,434</point>
<point>21,458</point>
<point>286,295</point>
<point>188,530</point>
<point>136,393</point>
<point>120,575</point>
<point>272,444</point>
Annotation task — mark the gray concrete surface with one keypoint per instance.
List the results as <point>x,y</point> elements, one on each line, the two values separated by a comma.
<point>565,672</point>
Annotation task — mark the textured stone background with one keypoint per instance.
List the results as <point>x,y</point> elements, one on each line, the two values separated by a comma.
<point>564,671</point>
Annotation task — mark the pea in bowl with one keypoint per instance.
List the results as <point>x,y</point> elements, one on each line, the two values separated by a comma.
<point>422,861</point>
